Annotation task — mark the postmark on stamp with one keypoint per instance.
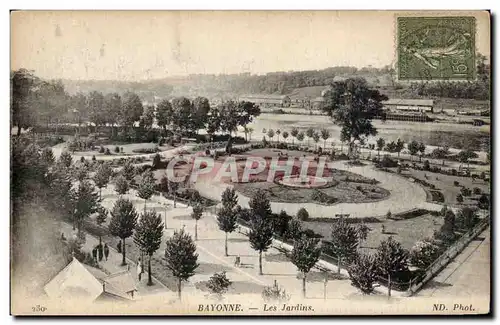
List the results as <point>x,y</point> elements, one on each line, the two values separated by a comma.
<point>436,48</point>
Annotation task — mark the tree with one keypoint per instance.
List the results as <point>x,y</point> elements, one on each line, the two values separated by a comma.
<point>102,216</point>
<point>218,284</point>
<point>280,223</point>
<point>316,139</point>
<point>147,118</point>
<point>230,115</point>
<point>121,185</point>
<point>362,231</point>
<point>164,114</point>
<point>310,134</point>
<point>86,202</point>
<point>285,135</point>
<point>413,147</point>
<point>363,273</point>
<point>423,253</point>
<point>101,177</point>
<point>148,235</point>
<point>172,189</point>
<point>466,218</point>
<point>65,159</point>
<point>325,135</point>
<point>24,85</point>
<point>270,134</point>
<point>260,236</point>
<point>484,201</point>
<point>352,105</point>
<point>278,132</point>
<point>400,145</point>
<point>294,133</point>
<point>449,222</point>
<point>302,214</point>
<point>344,241</point>
<point>390,259</point>
<point>146,186</point>
<point>380,145</point>
<point>421,149</point>
<point>465,155</point>
<point>305,255</point>
<point>227,215</point>
<point>181,257</point>
<point>123,221</point>
<point>260,205</point>
<point>47,157</point>
<point>300,136</point>
<point>132,109</point>
<point>95,108</point>
<point>196,215</point>
<point>128,171</point>
<point>294,230</point>
<point>112,108</point>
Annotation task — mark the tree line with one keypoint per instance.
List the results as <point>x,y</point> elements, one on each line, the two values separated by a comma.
<point>40,102</point>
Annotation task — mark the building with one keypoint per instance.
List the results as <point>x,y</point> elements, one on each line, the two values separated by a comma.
<point>86,283</point>
<point>410,105</point>
<point>267,100</point>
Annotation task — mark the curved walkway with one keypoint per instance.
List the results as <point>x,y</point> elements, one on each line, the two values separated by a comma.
<point>405,196</point>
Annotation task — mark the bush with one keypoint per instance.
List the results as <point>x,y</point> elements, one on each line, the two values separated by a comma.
<point>101,149</point>
<point>456,183</point>
<point>427,165</point>
<point>460,198</point>
<point>302,214</point>
<point>311,234</point>
<point>454,172</point>
<point>465,191</point>
<point>107,153</point>
<point>117,149</point>
<point>387,162</point>
<point>321,197</point>
<point>477,191</point>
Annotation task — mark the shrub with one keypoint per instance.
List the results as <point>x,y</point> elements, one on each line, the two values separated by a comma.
<point>482,176</point>
<point>465,191</point>
<point>388,215</point>
<point>426,165</point>
<point>302,214</point>
<point>456,183</point>
<point>321,197</point>
<point>117,149</point>
<point>107,153</point>
<point>388,162</point>
<point>454,172</point>
<point>311,234</point>
<point>156,161</point>
<point>477,191</point>
<point>101,149</point>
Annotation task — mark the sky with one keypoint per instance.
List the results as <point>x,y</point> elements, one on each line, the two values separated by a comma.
<point>140,45</point>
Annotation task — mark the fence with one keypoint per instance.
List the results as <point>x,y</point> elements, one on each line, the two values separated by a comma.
<point>448,255</point>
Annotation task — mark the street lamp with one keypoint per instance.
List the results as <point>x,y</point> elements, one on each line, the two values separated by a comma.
<point>165,221</point>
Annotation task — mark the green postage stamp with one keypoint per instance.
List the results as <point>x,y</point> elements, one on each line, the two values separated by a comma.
<point>436,48</point>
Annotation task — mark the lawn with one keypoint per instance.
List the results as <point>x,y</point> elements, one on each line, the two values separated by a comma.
<point>407,232</point>
<point>445,184</point>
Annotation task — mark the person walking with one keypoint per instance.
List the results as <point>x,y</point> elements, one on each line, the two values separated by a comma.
<point>94,253</point>
<point>106,251</point>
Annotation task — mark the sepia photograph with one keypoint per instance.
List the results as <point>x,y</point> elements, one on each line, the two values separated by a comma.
<point>250,163</point>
